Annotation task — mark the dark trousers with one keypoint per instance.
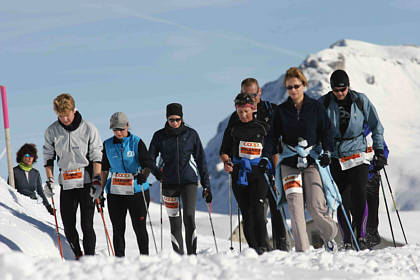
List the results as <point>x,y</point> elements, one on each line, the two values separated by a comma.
<point>277,224</point>
<point>372,197</point>
<point>251,203</point>
<point>187,194</point>
<point>118,205</point>
<point>352,186</point>
<point>69,202</point>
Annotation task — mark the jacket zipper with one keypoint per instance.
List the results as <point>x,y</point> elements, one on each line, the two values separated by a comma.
<point>122,157</point>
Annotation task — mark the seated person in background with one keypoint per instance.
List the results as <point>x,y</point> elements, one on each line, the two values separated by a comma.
<point>27,178</point>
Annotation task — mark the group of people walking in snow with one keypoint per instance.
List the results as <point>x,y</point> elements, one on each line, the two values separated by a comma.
<point>287,153</point>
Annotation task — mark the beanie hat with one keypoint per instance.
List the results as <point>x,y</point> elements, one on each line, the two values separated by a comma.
<point>339,79</point>
<point>118,120</point>
<point>244,100</point>
<point>174,109</point>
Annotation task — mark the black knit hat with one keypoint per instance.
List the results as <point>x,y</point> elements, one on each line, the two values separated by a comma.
<point>243,99</point>
<point>339,79</point>
<point>174,109</point>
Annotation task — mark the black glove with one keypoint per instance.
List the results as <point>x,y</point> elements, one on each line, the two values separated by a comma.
<point>158,175</point>
<point>263,164</point>
<point>207,194</point>
<point>379,160</point>
<point>101,202</point>
<point>325,159</point>
<point>50,209</point>
<point>141,179</point>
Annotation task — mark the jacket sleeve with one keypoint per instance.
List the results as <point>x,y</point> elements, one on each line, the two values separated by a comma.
<point>105,162</point>
<point>144,157</point>
<point>374,123</point>
<point>39,189</point>
<point>271,143</point>
<point>154,152</point>
<point>325,129</point>
<point>95,145</point>
<point>48,150</point>
<point>200,159</point>
<point>226,147</point>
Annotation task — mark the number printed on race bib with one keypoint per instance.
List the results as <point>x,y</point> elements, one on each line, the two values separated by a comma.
<point>122,184</point>
<point>293,184</point>
<point>171,205</point>
<point>250,150</point>
<point>72,178</point>
<point>351,161</point>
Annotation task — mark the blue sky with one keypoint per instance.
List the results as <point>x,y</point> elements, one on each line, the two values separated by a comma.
<point>138,56</point>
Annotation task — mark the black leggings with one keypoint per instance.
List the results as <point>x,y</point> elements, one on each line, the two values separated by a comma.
<point>251,202</point>
<point>117,209</point>
<point>372,197</point>
<point>352,185</point>
<point>277,224</point>
<point>69,202</point>
<point>188,195</point>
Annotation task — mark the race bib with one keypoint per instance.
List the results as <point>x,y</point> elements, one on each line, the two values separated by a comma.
<point>293,184</point>
<point>72,178</point>
<point>171,205</point>
<point>122,184</point>
<point>352,161</point>
<point>250,150</point>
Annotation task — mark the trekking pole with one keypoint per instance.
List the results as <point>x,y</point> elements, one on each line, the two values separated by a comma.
<point>387,212</point>
<point>211,224</point>
<point>161,220</point>
<point>148,215</point>
<point>240,235</point>
<point>349,225</point>
<point>56,229</point>
<point>395,205</point>
<point>230,210</point>
<point>107,238</point>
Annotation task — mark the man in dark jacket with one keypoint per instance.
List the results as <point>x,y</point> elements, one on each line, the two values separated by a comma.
<point>182,154</point>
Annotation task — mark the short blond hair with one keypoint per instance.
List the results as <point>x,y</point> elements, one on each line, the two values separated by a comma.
<point>64,103</point>
<point>294,72</point>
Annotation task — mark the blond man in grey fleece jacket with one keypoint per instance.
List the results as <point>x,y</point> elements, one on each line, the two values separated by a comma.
<point>77,146</point>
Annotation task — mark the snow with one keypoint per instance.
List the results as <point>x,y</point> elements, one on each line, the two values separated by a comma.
<point>28,248</point>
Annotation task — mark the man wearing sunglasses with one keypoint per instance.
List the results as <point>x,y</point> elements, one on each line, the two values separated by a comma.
<point>183,159</point>
<point>349,111</point>
<point>263,113</point>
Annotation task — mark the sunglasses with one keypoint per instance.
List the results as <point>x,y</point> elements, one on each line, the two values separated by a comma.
<point>27,155</point>
<point>294,86</point>
<point>339,89</point>
<point>175,120</point>
<point>118,129</point>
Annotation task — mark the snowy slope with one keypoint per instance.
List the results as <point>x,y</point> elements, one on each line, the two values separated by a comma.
<point>28,249</point>
<point>390,76</point>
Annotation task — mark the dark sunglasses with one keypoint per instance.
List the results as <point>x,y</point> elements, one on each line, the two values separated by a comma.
<point>118,129</point>
<point>294,86</point>
<point>175,120</point>
<point>339,89</point>
<point>27,155</point>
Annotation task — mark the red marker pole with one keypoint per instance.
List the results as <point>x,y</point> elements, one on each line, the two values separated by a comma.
<point>7,135</point>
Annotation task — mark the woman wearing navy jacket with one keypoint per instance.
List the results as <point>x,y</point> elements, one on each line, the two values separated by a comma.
<point>182,154</point>
<point>125,156</point>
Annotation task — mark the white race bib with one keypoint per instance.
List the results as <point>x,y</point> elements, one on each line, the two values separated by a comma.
<point>122,184</point>
<point>293,184</point>
<point>171,205</point>
<point>73,178</point>
<point>250,150</point>
<point>352,161</point>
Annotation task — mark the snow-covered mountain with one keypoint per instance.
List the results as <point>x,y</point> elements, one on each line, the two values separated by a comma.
<point>390,76</point>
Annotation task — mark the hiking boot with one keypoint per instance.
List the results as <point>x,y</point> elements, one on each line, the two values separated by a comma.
<point>362,243</point>
<point>373,239</point>
<point>261,250</point>
<point>346,246</point>
<point>283,245</point>
<point>331,246</point>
